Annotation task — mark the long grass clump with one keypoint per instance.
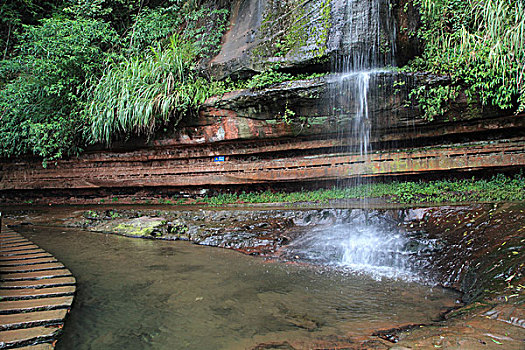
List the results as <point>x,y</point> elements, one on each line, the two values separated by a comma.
<point>136,95</point>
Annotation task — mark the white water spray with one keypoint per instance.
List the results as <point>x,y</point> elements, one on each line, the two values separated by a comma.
<point>376,246</point>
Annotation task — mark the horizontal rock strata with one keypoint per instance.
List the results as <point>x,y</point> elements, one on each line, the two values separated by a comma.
<point>242,139</point>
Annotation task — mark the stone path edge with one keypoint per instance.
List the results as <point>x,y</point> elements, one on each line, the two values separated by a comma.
<point>36,294</point>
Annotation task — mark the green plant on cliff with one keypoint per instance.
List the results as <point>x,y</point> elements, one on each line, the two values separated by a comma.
<point>141,92</point>
<point>496,189</point>
<point>480,45</point>
<point>40,89</point>
<point>136,95</point>
<point>55,51</point>
<point>267,78</point>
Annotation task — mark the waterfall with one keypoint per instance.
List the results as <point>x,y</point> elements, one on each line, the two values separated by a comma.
<point>366,242</point>
<point>373,245</point>
<point>365,245</point>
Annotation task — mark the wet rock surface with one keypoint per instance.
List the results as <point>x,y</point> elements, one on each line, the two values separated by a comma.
<point>302,35</point>
<point>255,232</point>
<point>476,248</point>
<point>482,256</point>
<point>481,247</point>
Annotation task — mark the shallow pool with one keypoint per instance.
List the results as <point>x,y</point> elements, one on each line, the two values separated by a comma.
<point>144,294</point>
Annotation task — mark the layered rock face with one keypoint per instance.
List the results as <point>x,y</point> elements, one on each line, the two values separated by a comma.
<point>297,132</point>
<point>305,35</point>
<point>244,138</point>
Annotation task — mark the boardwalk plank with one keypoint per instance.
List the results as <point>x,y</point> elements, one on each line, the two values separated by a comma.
<point>36,292</point>
<point>44,346</point>
<point>35,275</point>
<point>23,262</point>
<point>9,238</point>
<point>17,306</point>
<point>13,240</point>
<point>32,319</point>
<point>32,293</point>
<point>25,256</point>
<point>43,283</point>
<point>35,267</point>
<point>23,252</point>
<point>13,249</point>
<point>28,336</point>
<point>19,243</point>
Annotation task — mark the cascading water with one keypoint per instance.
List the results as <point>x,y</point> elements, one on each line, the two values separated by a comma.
<point>367,241</point>
<point>362,244</point>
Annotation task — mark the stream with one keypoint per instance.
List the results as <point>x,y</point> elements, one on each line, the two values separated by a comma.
<point>144,294</point>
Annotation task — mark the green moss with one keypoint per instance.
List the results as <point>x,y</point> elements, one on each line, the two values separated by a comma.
<point>326,17</point>
<point>134,230</point>
<point>318,120</point>
<point>291,29</point>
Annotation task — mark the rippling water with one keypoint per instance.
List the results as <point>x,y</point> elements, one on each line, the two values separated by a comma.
<point>142,294</point>
<point>372,245</point>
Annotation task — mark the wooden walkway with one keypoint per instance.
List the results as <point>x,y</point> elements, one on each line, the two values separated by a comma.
<point>36,293</point>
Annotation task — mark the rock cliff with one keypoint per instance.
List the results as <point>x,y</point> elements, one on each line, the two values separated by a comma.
<point>300,132</point>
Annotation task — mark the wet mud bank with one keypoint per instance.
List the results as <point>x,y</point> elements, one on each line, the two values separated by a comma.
<point>476,249</point>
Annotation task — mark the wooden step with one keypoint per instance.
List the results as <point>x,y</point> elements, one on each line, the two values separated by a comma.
<point>35,267</point>
<point>42,283</point>
<point>32,319</point>
<point>44,346</point>
<point>14,240</point>
<point>36,293</point>
<point>22,252</point>
<point>9,237</point>
<point>19,243</point>
<point>12,237</point>
<point>33,293</point>
<point>19,337</point>
<point>6,250</point>
<point>18,306</point>
<point>35,275</point>
<point>23,262</point>
<point>26,257</point>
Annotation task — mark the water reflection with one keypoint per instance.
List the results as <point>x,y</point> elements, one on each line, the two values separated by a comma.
<point>140,294</point>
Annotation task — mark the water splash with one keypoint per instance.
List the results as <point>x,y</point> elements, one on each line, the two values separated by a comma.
<point>370,244</point>
<point>376,247</point>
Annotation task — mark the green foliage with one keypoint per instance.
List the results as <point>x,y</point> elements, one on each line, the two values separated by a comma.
<point>498,188</point>
<point>137,95</point>
<point>40,98</point>
<point>480,45</point>
<point>260,81</point>
<point>43,83</point>
<point>14,14</point>
<point>148,89</point>
<point>267,78</point>
<point>433,101</point>
<point>202,26</point>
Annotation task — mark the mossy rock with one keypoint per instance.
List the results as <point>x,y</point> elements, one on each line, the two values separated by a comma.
<point>142,226</point>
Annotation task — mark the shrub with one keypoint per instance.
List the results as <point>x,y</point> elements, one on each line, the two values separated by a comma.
<point>480,45</point>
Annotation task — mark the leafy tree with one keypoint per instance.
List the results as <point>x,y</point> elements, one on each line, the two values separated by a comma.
<point>55,59</point>
<point>39,105</point>
<point>16,13</point>
<point>480,45</point>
